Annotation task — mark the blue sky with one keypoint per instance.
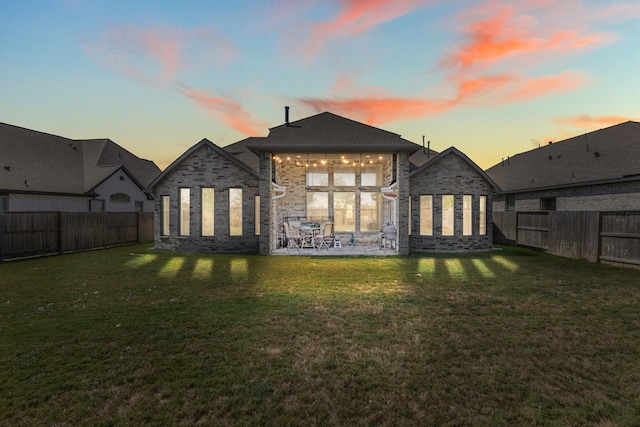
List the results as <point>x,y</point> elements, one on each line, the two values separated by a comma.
<point>492,78</point>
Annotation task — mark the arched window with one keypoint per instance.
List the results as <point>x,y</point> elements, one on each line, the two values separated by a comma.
<point>120,198</point>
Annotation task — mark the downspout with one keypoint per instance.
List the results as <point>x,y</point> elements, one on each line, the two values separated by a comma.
<point>394,198</point>
<point>279,190</point>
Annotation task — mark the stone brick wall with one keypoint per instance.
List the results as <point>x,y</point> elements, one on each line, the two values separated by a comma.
<point>293,204</point>
<point>623,196</point>
<point>450,175</point>
<point>205,167</point>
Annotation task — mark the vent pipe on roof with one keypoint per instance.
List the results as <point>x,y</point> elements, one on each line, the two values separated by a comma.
<point>426,150</point>
<point>286,116</point>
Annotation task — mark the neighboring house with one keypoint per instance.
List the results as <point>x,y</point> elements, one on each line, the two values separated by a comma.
<point>579,197</point>
<point>597,171</point>
<point>324,167</point>
<point>42,172</point>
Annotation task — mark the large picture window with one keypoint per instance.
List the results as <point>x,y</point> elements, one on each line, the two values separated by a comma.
<point>467,215</point>
<point>482,220</point>
<point>166,210</point>
<point>317,206</point>
<point>257,215</point>
<point>185,210</point>
<point>344,211</point>
<point>235,212</point>
<point>448,215</point>
<point>207,212</point>
<point>426,215</point>
<point>370,211</point>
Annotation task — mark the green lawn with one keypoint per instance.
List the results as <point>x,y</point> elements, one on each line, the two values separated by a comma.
<point>129,336</point>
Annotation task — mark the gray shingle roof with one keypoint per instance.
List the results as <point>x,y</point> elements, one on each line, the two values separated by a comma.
<point>44,163</point>
<point>332,133</point>
<point>606,155</point>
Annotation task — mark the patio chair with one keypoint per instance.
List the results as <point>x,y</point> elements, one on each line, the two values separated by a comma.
<point>389,234</point>
<point>292,238</point>
<point>325,237</point>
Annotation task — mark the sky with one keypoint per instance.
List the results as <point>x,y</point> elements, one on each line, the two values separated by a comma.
<point>492,78</point>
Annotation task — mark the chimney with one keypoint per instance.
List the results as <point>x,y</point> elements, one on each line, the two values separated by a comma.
<point>424,149</point>
<point>286,116</point>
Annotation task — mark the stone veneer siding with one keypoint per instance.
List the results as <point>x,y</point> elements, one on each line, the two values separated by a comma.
<point>207,168</point>
<point>450,175</point>
<point>624,196</point>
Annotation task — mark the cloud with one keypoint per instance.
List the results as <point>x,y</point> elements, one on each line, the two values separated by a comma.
<point>156,55</point>
<point>496,33</point>
<point>353,18</point>
<point>497,61</point>
<point>593,122</point>
<point>376,110</point>
<point>225,109</point>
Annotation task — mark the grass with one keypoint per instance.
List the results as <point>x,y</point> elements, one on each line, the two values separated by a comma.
<point>129,336</point>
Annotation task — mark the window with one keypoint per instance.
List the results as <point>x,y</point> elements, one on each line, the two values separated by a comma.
<point>257,215</point>
<point>344,175</point>
<point>511,202</point>
<point>370,211</point>
<point>4,203</point>
<point>467,215</point>
<point>548,204</point>
<point>96,205</point>
<point>482,229</point>
<point>344,211</point>
<point>410,216</point>
<point>185,211</point>
<point>139,206</point>
<point>317,176</point>
<point>120,198</point>
<point>448,215</point>
<point>371,175</point>
<point>235,212</point>
<point>426,215</point>
<point>317,206</point>
<point>166,209</point>
<point>208,228</point>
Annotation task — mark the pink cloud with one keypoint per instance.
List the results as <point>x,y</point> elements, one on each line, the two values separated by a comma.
<point>225,109</point>
<point>593,122</point>
<point>496,33</point>
<point>377,110</point>
<point>491,66</point>
<point>355,17</point>
<point>156,55</point>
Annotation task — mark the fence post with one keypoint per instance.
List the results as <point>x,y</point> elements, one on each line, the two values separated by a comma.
<point>60,232</point>
<point>1,236</point>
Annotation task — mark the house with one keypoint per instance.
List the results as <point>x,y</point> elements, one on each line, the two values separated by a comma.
<point>597,171</point>
<point>322,168</point>
<point>579,197</point>
<point>43,172</point>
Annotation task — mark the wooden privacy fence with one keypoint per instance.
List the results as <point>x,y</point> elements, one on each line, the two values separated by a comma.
<point>594,236</point>
<point>40,233</point>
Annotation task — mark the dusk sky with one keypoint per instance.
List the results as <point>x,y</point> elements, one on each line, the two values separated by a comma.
<point>492,78</point>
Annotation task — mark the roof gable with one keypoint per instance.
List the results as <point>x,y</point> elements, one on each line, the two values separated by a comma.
<point>607,155</point>
<point>190,151</point>
<point>455,152</point>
